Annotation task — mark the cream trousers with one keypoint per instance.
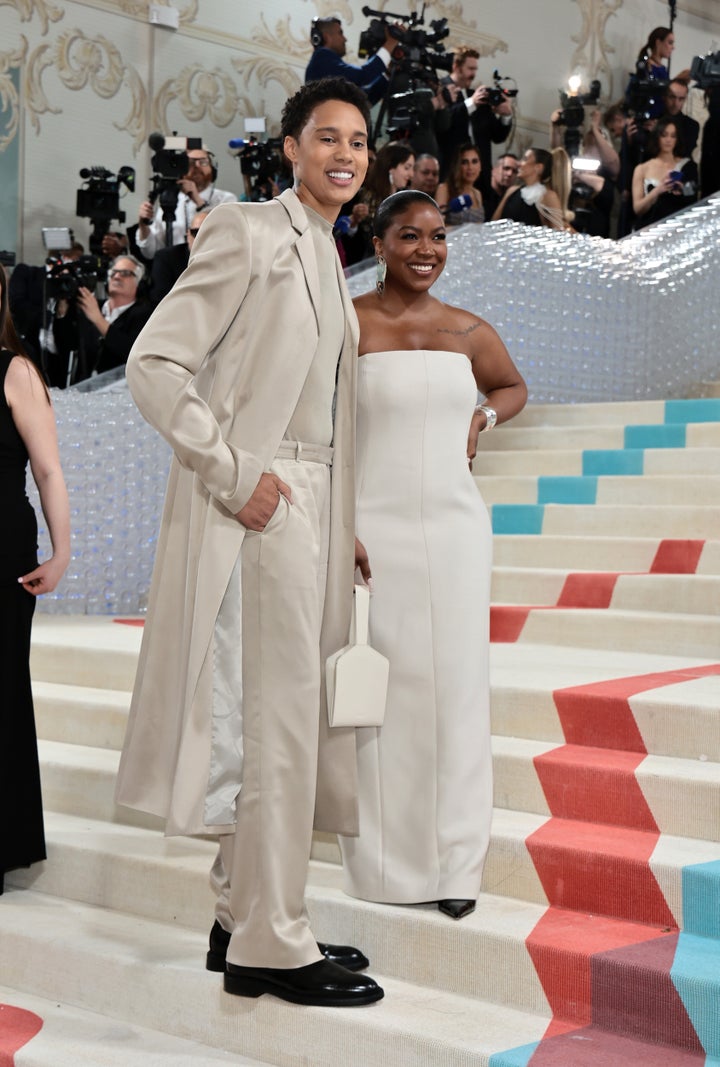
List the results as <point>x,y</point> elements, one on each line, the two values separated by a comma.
<point>261,869</point>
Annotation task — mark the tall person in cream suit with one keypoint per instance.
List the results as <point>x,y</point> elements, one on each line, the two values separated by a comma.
<point>248,369</point>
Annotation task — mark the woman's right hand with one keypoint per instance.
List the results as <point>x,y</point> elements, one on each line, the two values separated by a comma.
<point>261,506</point>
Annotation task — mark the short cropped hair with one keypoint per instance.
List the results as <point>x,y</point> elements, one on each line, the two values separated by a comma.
<point>298,108</point>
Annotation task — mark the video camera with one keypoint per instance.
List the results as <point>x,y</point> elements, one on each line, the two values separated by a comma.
<point>645,92</point>
<point>260,162</point>
<point>65,277</point>
<point>99,200</point>
<point>572,113</point>
<point>413,78</point>
<point>415,44</point>
<point>497,94</point>
<point>169,163</point>
<point>705,70</point>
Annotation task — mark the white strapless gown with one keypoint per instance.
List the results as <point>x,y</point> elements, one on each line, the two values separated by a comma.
<point>425,776</point>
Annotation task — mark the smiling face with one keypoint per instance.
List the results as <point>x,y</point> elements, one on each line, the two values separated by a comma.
<point>414,248</point>
<point>330,157</point>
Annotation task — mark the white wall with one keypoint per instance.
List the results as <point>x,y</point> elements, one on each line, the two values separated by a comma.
<point>96,78</point>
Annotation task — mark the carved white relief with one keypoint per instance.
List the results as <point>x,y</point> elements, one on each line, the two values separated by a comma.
<point>591,57</point>
<point>200,94</point>
<point>46,11</point>
<point>283,40</point>
<point>81,62</point>
<point>9,99</point>
<point>188,11</point>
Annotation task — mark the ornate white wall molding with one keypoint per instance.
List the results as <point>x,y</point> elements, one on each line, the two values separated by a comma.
<point>283,40</point>
<point>46,11</point>
<point>188,10</point>
<point>591,57</point>
<point>199,93</point>
<point>9,99</point>
<point>82,62</point>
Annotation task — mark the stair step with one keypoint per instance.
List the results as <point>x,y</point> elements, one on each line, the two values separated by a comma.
<point>73,650</point>
<point>81,714</point>
<point>639,631</point>
<point>70,1036</point>
<point>625,789</point>
<point>561,462</point>
<point>606,520</point>
<point>412,1024</point>
<point>684,593</point>
<point>599,553</point>
<point>675,719</point>
<point>689,490</point>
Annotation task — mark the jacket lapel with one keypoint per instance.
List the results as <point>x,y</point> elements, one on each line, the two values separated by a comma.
<point>304,246</point>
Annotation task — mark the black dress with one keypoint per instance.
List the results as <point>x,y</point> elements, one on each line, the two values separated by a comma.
<point>22,838</point>
<point>518,211</point>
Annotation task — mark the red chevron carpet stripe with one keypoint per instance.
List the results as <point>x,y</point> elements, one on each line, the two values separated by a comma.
<point>17,1027</point>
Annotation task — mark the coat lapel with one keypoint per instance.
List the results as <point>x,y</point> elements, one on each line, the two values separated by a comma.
<point>304,247</point>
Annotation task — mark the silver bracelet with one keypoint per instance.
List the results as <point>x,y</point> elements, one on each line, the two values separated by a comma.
<point>490,416</point>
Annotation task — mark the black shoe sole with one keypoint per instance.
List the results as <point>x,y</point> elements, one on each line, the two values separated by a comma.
<point>215,961</point>
<point>240,986</point>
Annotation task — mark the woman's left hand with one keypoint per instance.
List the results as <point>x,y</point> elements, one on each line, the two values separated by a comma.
<point>362,562</point>
<point>44,578</point>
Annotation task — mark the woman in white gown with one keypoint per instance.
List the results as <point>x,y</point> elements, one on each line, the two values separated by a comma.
<point>425,776</point>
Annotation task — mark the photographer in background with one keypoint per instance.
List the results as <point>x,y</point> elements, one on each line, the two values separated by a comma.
<point>592,194</point>
<point>676,96</point>
<point>32,308</point>
<point>197,193</point>
<point>330,45</point>
<point>471,118</point>
<point>91,337</point>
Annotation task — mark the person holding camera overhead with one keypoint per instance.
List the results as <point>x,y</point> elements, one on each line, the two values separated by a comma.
<point>91,337</point>
<point>330,45</point>
<point>472,117</point>
<point>197,193</point>
<point>668,181</point>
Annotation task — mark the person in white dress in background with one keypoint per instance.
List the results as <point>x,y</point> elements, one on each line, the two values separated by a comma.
<point>425,776</point>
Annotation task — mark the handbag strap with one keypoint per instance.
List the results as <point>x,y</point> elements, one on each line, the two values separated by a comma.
<point>361,613</point>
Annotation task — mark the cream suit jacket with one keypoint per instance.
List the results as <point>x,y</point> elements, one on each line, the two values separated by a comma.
<point>218,371</point>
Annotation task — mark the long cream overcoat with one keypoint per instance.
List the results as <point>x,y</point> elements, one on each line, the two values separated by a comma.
<point>218,371</point>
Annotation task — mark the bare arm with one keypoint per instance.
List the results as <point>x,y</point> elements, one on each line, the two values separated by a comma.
<point>608,156</point>
<point>642,201</point>
<point>33,416</point>
<point>442,196</point>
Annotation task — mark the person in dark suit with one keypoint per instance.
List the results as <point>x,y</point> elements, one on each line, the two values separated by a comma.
<point>169,263</point>
<point>330,43</point>
<point>472,118</point>
<point>676,96</point>
<point>91,337</point>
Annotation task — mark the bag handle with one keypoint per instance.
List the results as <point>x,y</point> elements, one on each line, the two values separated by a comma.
<point>361,614</point>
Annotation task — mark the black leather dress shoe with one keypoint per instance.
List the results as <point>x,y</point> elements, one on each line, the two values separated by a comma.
<point>456,909</point>
<point>322,983</point>
<point>345,956</point>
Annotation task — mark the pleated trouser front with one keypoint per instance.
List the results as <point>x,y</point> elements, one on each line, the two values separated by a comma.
<point>262,868</point>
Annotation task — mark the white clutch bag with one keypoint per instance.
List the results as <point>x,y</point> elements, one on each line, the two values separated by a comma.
<point>356,677</point>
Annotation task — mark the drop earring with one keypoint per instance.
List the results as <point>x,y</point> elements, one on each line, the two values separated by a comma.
<point>381,272</point>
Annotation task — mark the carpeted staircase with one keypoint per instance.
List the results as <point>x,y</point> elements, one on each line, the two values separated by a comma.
<point>596,940</point>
